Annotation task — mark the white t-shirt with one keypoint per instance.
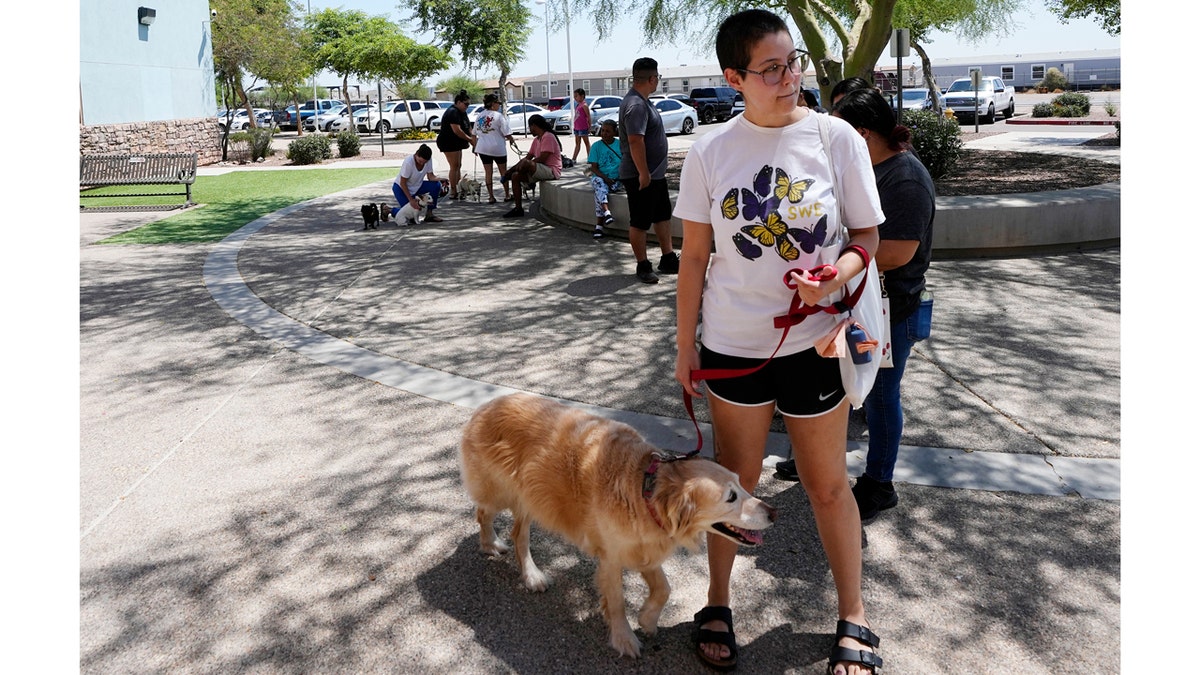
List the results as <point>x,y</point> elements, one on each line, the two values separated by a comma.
<point>768,194</point>
<point>491,127</point>
<point>410,174</point>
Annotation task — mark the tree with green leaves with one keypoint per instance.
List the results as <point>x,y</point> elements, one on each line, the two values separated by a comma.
<point>239,30</point>
<point>348,42</point>
<point>1107,13</point>
<point>971,20</point>
<point>843,37</point>
<point>457,83</point>
<point>484,32</point>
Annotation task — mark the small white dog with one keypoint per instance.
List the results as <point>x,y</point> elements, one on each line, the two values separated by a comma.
<point>469,187</point>
<point>409,215</point>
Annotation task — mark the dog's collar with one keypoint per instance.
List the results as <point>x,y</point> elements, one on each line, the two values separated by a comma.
<point>657,459</point>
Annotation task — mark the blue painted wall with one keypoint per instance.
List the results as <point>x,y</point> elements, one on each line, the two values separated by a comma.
<point>134,73</point>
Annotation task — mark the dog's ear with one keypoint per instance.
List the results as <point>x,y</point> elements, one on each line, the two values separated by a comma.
<point>677,509</point>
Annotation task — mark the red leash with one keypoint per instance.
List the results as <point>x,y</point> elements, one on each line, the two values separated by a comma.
<point>797,312</point>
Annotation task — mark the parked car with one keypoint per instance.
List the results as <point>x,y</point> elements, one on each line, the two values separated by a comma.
<point>600,105</point>
<point>918,100</point>
<point>396,115</point>
<point>993,98</point>
<point>323,121</point>
<point>557,102</point>
<point>713,104</point>
<point>518,113</point>
<point>240,121</point>
<point>677,116</point>
<point>348,121</point>
<point>739,106</point>
<point>307,109</point>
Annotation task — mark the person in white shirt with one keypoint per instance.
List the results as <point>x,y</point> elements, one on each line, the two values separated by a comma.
<point>492,130</point>
<point>757,200</point>
<point>416,177</point>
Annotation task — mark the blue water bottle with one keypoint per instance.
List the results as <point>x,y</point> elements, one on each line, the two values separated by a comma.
<point>854,336</point>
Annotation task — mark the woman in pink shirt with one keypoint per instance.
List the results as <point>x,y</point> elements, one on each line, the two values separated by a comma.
<point>542,162</point>
<point>583,124</point>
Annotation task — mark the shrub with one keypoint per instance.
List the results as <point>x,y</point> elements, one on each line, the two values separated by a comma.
<point>1070,111</point>
<point>1110,108</point>
<point>348,144</point>
<point>415,135</point>
<point>1043,110</point>
<point>1074,99</point>
<point>309,150</point>
<point>936,140</point>
<point>1054,79</point>
<point>260,143</point>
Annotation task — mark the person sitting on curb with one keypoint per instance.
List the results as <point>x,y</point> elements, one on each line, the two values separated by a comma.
<point>543,162</point>
<point>604,160</point>
<point>416,178</point>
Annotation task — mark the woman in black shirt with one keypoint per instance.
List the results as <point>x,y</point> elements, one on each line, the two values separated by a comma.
<point>454,137</point>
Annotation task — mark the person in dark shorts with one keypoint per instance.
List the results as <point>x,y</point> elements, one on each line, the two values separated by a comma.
<point>757,201</point>
<point>454,136</point>
<point>643,172</point>
<point>492,130</point>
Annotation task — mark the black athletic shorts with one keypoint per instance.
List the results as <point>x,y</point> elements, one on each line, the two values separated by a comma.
<point>649,206</point>
<point>804,384</point>
<point>498,159</point>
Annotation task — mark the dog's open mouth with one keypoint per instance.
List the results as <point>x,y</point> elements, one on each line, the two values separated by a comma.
<point>741,536</point>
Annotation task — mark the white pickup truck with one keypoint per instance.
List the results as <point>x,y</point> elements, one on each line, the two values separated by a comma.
<point>994,98</point>
<point>395,115</point>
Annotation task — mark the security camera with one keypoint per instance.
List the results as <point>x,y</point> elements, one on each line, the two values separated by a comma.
<point>214,14</point>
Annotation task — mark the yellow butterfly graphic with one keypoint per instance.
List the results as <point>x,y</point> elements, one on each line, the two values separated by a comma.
<point>772,230</point>
<point>792,190</point>
<point>729,205</point>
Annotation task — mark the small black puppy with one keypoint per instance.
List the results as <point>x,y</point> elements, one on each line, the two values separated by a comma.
<point>370,214</point>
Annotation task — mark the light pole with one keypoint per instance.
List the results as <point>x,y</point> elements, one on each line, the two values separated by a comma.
<point>299,126</point>
<point>570,71</point>
<point>546,25</point>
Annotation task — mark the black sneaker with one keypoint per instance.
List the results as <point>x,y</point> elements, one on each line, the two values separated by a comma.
<point>608,219</point>
<point>598,233</point>
<point>669,263</point>
<point>645,273</point>
<point>786,470</point>
<point>515,212</point>
<point>873,496</point>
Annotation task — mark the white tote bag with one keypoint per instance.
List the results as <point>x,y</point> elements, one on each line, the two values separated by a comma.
<point>857,379</point>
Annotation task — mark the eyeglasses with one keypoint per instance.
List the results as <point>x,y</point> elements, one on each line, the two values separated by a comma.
<point>774,75</point>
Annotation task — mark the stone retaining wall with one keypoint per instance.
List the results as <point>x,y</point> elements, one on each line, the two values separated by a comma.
<point>964,227</point>
<point>200,135</point>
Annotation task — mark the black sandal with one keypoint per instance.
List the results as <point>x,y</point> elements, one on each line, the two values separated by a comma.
<point>706,636</point>
<point>861,634</point>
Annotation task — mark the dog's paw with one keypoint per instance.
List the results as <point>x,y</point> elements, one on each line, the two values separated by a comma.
<point>625,642</point>
<point>536,580</point>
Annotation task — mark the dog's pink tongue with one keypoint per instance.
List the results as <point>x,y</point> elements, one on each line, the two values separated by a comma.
<point>753,536</point>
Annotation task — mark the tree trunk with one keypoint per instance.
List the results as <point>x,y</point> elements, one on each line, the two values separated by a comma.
<point>930,83</point>
<point>296,102</point>
<point>503,86</point>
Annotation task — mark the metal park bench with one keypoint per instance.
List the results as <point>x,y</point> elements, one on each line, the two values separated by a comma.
<point>166,168</point>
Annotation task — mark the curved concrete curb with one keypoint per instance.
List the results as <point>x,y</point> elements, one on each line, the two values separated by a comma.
<point>943,467</point>
<point>965,227</point>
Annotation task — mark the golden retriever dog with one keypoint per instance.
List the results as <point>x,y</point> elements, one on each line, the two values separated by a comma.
<point>600,485</point>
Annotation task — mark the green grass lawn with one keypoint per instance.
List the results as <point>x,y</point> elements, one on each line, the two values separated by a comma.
<point>233,199</point>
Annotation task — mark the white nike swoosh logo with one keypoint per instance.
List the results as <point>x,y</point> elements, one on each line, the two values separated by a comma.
<point>822,397</point>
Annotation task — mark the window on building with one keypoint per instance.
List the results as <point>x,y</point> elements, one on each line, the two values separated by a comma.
<point>1008,73</point>
<point>586,86</point>
<point>1038,72</point>
<point>545,92</point>
<point>683,85</point>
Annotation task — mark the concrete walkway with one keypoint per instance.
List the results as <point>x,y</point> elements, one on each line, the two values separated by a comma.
<point>269,427</point>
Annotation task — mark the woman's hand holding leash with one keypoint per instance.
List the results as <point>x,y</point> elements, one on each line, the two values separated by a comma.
<point>687,361</point>
<point>813,285</point>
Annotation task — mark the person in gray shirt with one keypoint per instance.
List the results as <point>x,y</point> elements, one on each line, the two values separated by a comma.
<point>643,172</point>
